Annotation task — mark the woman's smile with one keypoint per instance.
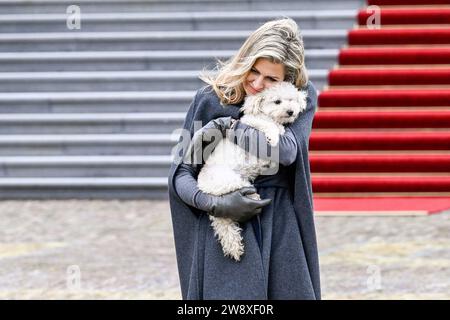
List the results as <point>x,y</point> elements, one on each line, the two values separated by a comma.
<point>252,90</point>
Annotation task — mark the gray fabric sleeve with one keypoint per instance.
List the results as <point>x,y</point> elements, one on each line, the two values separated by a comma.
<point>287,144</point>
<point>185,182</point>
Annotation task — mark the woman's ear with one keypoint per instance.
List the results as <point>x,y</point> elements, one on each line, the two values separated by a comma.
<point>253,104</point>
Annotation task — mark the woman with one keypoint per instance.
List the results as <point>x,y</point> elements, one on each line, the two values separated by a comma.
<point>280,259</point>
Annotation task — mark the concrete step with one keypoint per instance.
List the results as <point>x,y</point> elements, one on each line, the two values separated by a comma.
<point>99,81</point>
<point>114,81</point>
<point>83,188</point>
<point>136,60</point>
<point>91,123</point>
<point>96,102</point>
<point>84,166</point>
<point>153,40</point>
<point>173,21</point>
<point>87,144</point>
<point>97,6</point>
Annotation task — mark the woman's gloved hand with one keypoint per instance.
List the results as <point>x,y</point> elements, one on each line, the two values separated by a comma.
<point>236,205</point>
<point>215,128</point>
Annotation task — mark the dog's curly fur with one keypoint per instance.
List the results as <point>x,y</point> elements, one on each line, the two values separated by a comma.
<point>230,167</point>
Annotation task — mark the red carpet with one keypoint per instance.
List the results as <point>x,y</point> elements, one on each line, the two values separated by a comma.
<point>380,183</point>
<point>404,76</point>
<point>380,205</point>
<point>394,55</point>
<point>352,119</point>
<point>366,162</point>
<point>384,98</point>
<point>379,140</point>
<point>407,16</point>
<point>406,2</point>
<point>382,131</point>
<point>364,37</point>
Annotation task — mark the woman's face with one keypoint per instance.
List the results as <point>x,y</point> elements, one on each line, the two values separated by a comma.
<point>263,75</point>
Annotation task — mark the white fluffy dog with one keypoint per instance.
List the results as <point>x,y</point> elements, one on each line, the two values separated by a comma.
<point>229,167</point>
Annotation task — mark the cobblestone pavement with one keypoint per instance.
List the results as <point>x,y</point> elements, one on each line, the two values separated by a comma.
<point>124,250</point>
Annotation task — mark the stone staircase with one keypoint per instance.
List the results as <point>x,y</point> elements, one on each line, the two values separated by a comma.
<point>89,113</point>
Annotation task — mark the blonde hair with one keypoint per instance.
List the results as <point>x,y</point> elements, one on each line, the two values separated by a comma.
<point>279,41</point>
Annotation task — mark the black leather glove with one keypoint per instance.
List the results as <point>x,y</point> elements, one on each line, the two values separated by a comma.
<point>215,128</point>
<point>237,206</point>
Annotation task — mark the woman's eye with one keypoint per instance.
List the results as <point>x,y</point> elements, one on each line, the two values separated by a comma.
<point>254,71</point>
<point>277,101</point>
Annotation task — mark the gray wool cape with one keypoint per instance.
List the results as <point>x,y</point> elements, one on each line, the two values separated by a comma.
<point>281,257</point>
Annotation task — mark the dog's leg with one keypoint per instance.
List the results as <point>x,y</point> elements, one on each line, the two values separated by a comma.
<point>228,233</point>
<point>270,129</point>
<point>254,196</point>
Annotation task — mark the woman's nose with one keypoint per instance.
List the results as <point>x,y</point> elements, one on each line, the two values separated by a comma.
<point>258,84</point>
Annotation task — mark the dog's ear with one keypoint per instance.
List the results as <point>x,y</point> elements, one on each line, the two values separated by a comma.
<point>302,99</point>
<point>302,95</point>
<point>253,104</point>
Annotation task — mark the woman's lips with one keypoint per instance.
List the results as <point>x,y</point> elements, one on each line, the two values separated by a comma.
<point>253,91</point>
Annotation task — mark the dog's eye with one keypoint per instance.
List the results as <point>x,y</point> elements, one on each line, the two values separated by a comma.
<point>277,101</point>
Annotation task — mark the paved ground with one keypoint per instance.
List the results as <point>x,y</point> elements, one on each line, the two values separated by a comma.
<point>124,250</point>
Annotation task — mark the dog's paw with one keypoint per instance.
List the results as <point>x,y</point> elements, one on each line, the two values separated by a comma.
<point>254,196</point>
<point>273,137</point>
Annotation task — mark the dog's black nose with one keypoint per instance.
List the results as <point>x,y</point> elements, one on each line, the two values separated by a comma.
<point>290,113</point>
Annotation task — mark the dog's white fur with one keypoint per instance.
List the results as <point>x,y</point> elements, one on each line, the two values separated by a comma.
<point>230,167</point>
